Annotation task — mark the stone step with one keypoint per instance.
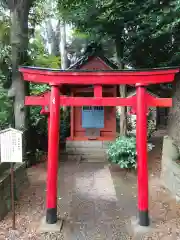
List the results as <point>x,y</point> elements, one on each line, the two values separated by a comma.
<point>95,160</point>
<point>86,158</point>
<point>85,151</point>
<point>89,153</point>
<point>87,144</point>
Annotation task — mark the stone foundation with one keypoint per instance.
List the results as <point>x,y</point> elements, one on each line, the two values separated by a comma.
<point>88,150</point>
<point>21,181</point>
<point>170,169</point>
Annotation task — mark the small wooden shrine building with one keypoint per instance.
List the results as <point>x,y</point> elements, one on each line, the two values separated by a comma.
<point>91,125</point>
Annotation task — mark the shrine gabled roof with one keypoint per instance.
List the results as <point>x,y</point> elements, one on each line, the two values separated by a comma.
<point>85,59</point>
<point>141,71</point>
<point>93,50</point>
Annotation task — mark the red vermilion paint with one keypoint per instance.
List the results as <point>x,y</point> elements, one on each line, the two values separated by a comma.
<point>53,149</point>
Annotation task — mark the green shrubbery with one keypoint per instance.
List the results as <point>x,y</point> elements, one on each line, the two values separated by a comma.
<point>123,151</point>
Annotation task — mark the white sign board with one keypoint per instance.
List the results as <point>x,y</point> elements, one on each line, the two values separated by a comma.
<point>11,145</point>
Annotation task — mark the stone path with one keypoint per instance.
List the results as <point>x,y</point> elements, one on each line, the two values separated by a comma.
<point>97,203</point>
<point>94,211</point>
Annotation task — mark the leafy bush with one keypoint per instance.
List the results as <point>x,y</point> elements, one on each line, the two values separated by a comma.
<point>123,151</point>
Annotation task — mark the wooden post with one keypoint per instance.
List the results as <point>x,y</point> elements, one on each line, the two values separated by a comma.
<point>97,91</point>
<point>53,155</point>
<point>72,119</point>
<point>12,197</point>
<point>141,138</point>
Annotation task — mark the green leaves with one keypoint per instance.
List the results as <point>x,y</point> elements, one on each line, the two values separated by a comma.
<point>39,56</point>
<point>47,61</point>
<point>4,30</point>
<point>123,152</point>
<point>5,105</point>
<point>150,28</point>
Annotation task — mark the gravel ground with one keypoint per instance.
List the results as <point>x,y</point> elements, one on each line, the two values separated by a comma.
<point>29,210</point>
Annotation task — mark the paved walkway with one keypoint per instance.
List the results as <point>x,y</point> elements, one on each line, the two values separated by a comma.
<point>97,203</point>
<point>94,210</point>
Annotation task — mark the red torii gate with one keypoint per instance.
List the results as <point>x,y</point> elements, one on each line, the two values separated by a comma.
<point>140,102</point>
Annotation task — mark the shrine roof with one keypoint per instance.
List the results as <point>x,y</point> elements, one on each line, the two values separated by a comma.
<point>69,70</point>
<point>84,77</point>
<point>93,50</point>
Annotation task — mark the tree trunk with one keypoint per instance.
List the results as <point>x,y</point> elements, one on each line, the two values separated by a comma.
<point>50,34</point>
<point>19,44</point>
<point>56,40</point>
<point>123,116</point>
<point>174,113</point>
<point>122,88</point>
<point>53,37</point>
<point>64,59</point>
<point>63,51</point>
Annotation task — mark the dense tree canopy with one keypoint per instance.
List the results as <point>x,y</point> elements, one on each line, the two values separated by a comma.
<point>147,30</point>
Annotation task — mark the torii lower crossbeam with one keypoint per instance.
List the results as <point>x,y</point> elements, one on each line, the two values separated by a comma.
<point>100,101</point>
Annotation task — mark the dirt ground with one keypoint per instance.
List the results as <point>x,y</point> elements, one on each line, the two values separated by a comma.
<point>97,202</point>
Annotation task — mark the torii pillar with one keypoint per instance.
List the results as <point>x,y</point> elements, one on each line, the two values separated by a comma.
<point>53,155</point>
<point>141,145</point>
